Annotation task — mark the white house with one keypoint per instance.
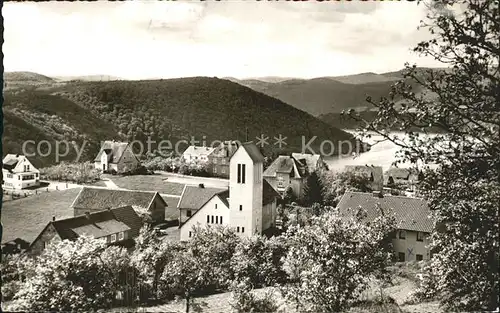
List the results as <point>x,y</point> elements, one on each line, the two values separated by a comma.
<point>248,207</point>
<point>117,156</point>
<point>19,173</point>
<point>194,154</point>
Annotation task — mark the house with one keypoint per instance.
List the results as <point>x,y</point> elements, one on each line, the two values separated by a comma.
<point>374,173</point>
<point>414,224</point>
<point>19,173</point>
<point>116,156</point>
<point>197,154</point>
<point>97,199</point>
<point>292,171</point>
<point>248,206</point>
<point>220,158</point>
<point>402,177</point>
<point>115,226</point>
<point>17,245</point>
<point>193,198</point>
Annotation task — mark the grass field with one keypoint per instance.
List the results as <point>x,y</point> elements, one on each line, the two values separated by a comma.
<point>148,183</point>
<point>25,218</point>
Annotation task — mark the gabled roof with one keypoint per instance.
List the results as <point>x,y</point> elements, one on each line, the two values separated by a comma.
<point>113,149</point>
<point>410,213</point>
<point>311,160</point>
<point>97,224</point>
<point>284,164</point>
<point>199,151</point>
<point>253,151</point>
<point>102,198</point>
<point>376,171</point>
<point>194,197</point>
<point>10,161</point>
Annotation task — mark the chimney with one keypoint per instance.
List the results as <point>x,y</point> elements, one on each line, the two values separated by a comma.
<point>53,218</point>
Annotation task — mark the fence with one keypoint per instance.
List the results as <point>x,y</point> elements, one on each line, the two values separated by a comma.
<point>14,194</point>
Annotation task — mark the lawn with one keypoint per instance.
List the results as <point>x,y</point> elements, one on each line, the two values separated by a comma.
<point>25,218</point>
<point>148,183</point>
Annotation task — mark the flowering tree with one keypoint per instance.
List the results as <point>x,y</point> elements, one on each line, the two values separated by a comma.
<point>330,261</point>
<point>463,103</point>
<point>69,276</point>
<point>337,183</point>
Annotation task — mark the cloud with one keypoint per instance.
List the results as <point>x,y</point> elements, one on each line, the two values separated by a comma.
<point>141,39</point>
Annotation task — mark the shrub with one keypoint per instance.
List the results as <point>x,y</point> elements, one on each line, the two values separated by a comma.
<point>80,173</point>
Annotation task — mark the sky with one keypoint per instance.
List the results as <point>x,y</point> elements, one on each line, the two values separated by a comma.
<point>165,39</point>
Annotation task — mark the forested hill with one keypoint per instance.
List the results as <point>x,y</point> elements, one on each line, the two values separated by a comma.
<point>173,109</point>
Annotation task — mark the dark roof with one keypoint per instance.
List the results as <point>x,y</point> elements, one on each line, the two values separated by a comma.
<point>114,150</point>
<point>410,213</point>
<point>400,173</point>
<point>376,171</point>
<point>102,198</point>
<point>194,197</point>
<point>253,151</point>
<point>97,224</point>
<point>268,193</point>
<point>224,197</point>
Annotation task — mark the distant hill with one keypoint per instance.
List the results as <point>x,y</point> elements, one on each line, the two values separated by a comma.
<point>325,95</point>
<point>26,77</point>
<point>171,109</point>
<point>88,78</point>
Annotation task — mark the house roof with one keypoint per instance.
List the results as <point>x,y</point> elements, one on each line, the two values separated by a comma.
<point>194,197</point>
<point>268,195</point>
<point>97,224</point>
<point>310,159</point>
<point>410,213</point>
<point>199,151</point>
<point>10,161</point>
<point>253,151</point>
<point>284,164</point>
<point>114,150</point>
<point>399,172</point>
<point>376,171</point>
<point>102,198</point>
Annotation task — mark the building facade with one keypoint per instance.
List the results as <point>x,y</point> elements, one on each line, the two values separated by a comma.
<point>219,159</point>
<point>19,173</point>
<point>116,156</point>
<point>248,206</point>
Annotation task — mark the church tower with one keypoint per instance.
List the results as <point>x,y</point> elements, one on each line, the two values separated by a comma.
<point>245,190</point>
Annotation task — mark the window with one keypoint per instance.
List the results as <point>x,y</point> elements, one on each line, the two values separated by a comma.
<point>28,177</point>
<point>36,175</point>
<point>281,183</point>
<point>27,167</point>
<point>190,234</point>
<point>121,236</point>
<point>241,207</point>
<point>212,219</point>
<point>208,219</point>
<point>216,220</point>
<point>19,177</point>
<point>215,160</point>
<point>223,171</point>
<point>420,236</point>
<point>113,238</point>
<point>241,173</point>
<point>9,175</point>
<point>216,206</point>
<point>237,229</point>
<point>189,213</point>
<point>215,170</point>
<point>223,161</point>
<point>419,257</point>
<point>401,257</point>
<point>221,219</point>
<point>242,229</point>
<point>402,234</point>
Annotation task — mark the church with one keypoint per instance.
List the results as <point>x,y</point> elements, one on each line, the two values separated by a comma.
<point>248,206</point>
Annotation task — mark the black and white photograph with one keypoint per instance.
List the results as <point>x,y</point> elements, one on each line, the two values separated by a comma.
<point>250,156</point>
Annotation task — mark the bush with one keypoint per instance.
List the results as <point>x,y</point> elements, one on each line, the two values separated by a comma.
<point>244,300</point>
<point>79,173</point>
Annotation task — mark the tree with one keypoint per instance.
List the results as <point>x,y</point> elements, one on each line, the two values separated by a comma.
<point>313,190</point>
<point>289,195</point>
<point>331,261</point>
<point>337,183</point>
<point>463,102</point>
